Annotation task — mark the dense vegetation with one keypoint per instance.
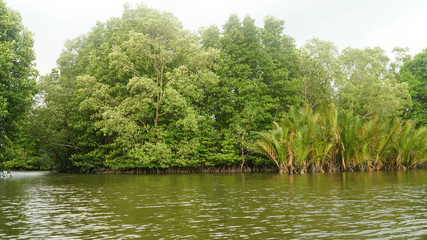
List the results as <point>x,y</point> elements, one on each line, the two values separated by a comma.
<point>331,140</point>
<point>140,92</point>
<point>17,80</point>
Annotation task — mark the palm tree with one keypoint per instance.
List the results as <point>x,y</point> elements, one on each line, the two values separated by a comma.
<point>274,145</point>
<point>327,138</point>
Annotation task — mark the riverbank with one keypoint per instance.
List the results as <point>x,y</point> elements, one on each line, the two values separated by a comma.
<point>231,169</point>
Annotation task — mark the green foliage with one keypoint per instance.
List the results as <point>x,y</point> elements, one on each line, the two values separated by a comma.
<point>258,78</point>
<point>368,87</point>
<point>319,70</point>
<point>328,140</point>
<point>361,81</point>
<point>414,73</point>
<point>139,91</point>
<point>130,94</point>
<point>26,152</point>
<point>49,122</point>
<point>17,78</point>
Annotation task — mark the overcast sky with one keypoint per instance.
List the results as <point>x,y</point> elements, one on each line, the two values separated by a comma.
<point>355,23</point>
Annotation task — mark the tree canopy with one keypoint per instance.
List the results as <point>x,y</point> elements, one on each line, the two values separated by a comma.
<point>414,73</point>
<point>141,92</point>
<point>17,77</point>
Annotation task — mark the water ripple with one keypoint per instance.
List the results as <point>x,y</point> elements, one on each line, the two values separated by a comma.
<point>380,205</point>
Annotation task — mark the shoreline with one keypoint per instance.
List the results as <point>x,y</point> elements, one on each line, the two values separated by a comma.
<point>221,169</point>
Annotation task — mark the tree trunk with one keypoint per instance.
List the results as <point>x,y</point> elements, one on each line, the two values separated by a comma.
<point>243,157</point>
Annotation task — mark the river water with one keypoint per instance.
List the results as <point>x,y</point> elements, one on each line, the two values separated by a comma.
<point>370,205</point>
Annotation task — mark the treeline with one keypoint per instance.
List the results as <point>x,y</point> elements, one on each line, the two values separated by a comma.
<point>140,92</point>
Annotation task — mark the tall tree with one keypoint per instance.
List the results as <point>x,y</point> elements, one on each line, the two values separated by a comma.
<point>135,92</point>
<point>414,73</point>
<point>368,86</point>
<point>258,77</point>
<point>320,70</point>
<point>17,76</point>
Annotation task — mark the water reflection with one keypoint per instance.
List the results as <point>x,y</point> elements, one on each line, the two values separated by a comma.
<point>214,206</point>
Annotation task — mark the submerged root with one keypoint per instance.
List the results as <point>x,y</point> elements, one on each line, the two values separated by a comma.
<point>178,170</point>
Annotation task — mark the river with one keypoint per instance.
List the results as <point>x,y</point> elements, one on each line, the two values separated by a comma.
<point>367,205</point>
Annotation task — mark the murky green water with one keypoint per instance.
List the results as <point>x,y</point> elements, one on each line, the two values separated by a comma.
<point>386,205</point>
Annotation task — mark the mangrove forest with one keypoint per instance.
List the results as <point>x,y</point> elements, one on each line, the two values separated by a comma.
<point>139,93</point>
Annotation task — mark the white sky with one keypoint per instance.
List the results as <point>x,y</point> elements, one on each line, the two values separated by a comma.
<point>355,23</point>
